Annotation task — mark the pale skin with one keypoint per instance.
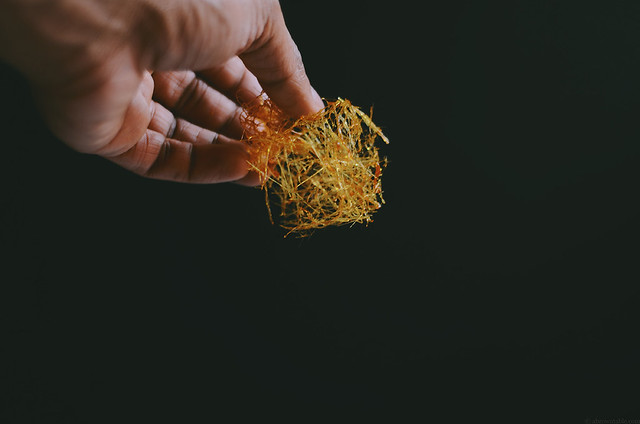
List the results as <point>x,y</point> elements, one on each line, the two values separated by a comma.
<point>155,85</point>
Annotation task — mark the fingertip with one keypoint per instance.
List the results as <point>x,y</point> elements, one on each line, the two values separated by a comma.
<point>237,168</point>
<point>317,104</point>
<point>300,103</point>
<point>252,179</point>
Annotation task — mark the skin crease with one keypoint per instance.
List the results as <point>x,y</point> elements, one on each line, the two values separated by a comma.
<point>153,85</point>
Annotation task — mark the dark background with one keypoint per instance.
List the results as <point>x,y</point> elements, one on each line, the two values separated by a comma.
<point>498,284</point>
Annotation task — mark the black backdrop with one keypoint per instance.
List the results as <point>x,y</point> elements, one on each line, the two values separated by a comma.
<point>498,284</point>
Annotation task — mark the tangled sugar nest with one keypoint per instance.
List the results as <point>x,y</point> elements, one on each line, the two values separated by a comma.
<point>323,169</point>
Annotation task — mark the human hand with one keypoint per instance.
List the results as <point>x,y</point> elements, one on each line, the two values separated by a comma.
<point>151,84</point>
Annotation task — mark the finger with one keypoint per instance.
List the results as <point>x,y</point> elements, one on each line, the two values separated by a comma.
<point>156,156</point>
<point>164,122</point>
<point>276,62</point>
<point>187,132</point>
<point>190,98</point>
<point>252,179</point>
<point>234,80</point>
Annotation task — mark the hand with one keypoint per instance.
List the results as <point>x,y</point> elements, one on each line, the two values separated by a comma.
<point>151,84</point>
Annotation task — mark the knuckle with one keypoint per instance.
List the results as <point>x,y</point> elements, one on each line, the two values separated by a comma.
<point>191,97</point>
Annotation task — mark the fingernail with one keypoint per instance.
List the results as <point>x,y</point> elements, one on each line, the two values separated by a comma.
<point>317,100</point>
